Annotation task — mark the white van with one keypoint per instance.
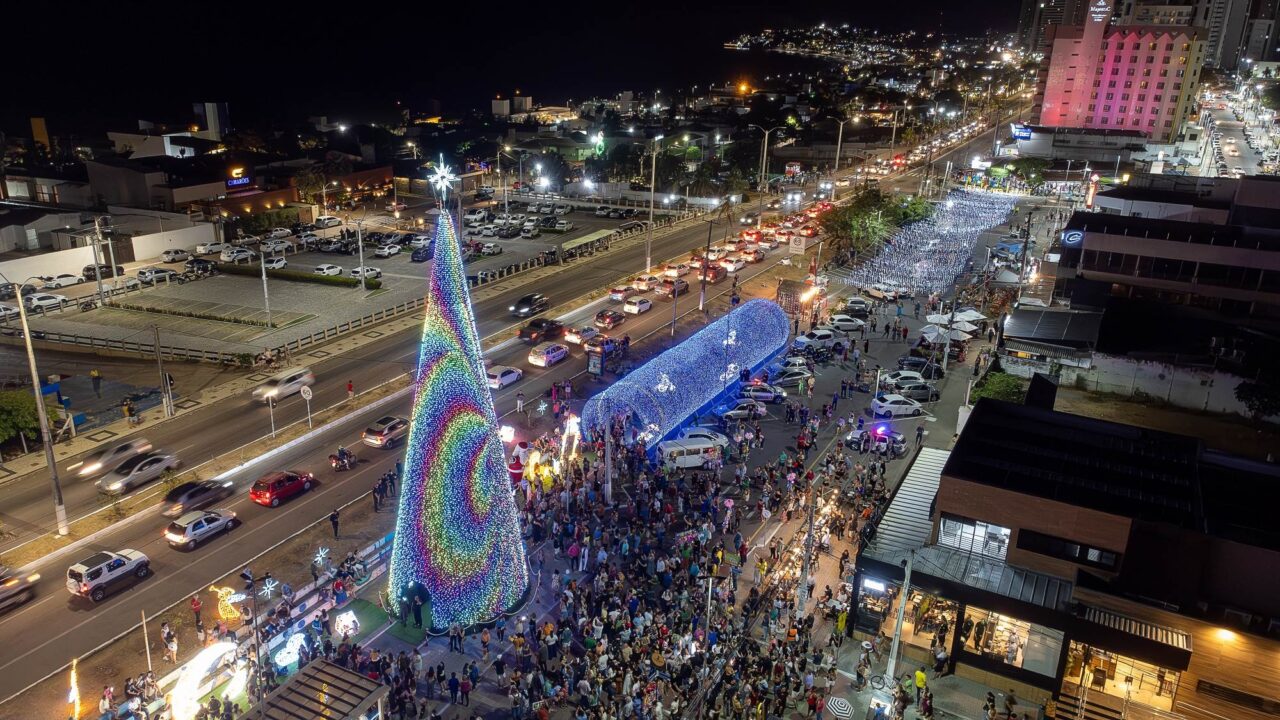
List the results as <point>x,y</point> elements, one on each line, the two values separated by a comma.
<point>283,384</point>
<point>687,453</point>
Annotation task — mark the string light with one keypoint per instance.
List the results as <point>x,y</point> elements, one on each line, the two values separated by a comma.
<point>729,373</point>
<point>268,586</point>
<point>759,330</point>
<point>73,695</point>
<point>288,654</point>
<point>322,556</point>
<point>185,696</point>
<point>457,534</point>
<point>227,598</point>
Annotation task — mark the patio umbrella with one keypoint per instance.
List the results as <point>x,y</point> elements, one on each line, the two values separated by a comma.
<point>932,333</point>
<point>960,335</point>
<point>970,315</point>
<point>939,319</point>
<point>964,326</point>
<point>839,708</point>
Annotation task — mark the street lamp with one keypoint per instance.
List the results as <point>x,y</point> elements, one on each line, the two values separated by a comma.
<point>761,179</point>
<point>653,184</point>
<point>839,140</point>
<point>59,507</point>
<point>324,193</point>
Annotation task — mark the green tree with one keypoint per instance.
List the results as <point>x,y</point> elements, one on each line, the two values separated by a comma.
<point>1000,386</point>
<point>17,414</point>
<point>1263,400</point>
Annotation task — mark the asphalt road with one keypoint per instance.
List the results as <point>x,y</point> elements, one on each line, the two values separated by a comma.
<point>57,626</point>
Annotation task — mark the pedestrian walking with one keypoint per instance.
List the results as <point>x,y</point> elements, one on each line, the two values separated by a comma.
<point>96,376</point>
<point>920,434</point>
<point>333,520</point>
<point>520,402</point>
<point>377,497</point>
<point>904,333</point>
<point>351,390</point>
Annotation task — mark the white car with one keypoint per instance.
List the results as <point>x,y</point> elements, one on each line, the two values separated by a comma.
<point>327,269</point>
<point>490,249</point>
<point>762,392</point>
<point>530,233</point>
<point>562,209</point>
<point>137,470</point>
<point>275,263</point>
<point>564,225</point>
<point>210,248</point>
<point>175,255</point>
<point>42,302</point>
<point>386,251</point>
<point>732,264</point>
<point>105,571</point>
<point>197,526</point>
<point>500,376</point>
<point>742,409</point>
<point>676,270</point>
<point>794,376</point>
<point>819,337</point>
<point>895,406</point>
<point>275,245</point>
<point>645,283</point>
<point>364,271</point>
<point>327,221</point>
<point>234,255</point>
<point>845,323</point>
<point>705,434</point>
<point>61,281</point>
<point>8,312</point>
<point>716,253</point>
<point>902,378</point>
<point>578,336</point>
<point>308,239</point>
<point>547,354</point>
<point>636,305</point>
<point>277,233</point>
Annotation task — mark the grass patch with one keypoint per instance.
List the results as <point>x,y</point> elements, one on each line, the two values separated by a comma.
<point>298,276</point>
<point>193,315</point>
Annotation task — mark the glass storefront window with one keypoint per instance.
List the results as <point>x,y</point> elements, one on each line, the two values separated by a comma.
<point>929,621</point>
<point>974,536</point>
<point>1011,641</point>
<point>1121,677</point>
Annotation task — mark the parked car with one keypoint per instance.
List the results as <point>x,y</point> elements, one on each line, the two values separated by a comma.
<point>500,376</point>
<point>547,354</point>
<point>327,269</point>
<point>386,251</point>
<point>174,255</point>
<point>602,211</point>
<point>195,527</point>
<point>490,249</point>
<point>327,221</point>
<point>822,337</point>
<point>894,405</point>
<point>9,291</point>
<point>105,571</point>
<point>791,377</point>
<point>275,263</point>
<point>154,276</point>
<point>276,487</point>
<point>194,496</point>
<point>540,330</point>
<point>276,233</point>
<point>879,438</point>
<point>200,265</point>
<point>136,471</point>
<point>762,392</point>
<point>920,392</point>
<point>697,433</point>
<point>636,305</point>
<point>385,432</point>
<point>9,312</point>
<point>58,282</point>
<point>531,304</point>
<point>43,302</point>
<point>423,254</point>
<point>270,246</point>
<point>91,272</point>
<point>229,254</point>
<point>672,287</point>
<point>741,409</point>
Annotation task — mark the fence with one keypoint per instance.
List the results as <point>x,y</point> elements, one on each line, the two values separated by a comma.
<point>1194,388</point>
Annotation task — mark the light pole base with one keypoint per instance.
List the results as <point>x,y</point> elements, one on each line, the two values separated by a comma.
<point>60,512</point>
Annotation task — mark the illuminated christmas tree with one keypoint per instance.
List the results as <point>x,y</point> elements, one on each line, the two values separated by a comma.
<point>457,533</point>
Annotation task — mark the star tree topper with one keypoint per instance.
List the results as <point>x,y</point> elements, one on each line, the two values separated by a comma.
<point>441,178</point>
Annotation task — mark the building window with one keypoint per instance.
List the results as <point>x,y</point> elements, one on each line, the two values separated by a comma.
<point>1120,121</point>
<point>1177,86</point>
<point>1092,107</point>
<point>1061,549</point>
<point>1142,97</point>
<point>1168,123</point>
<point>1124,96</point>
<point>1121,677</point>
<point>1133,59</point>
<point>1143,84</point>
<point>1164,72</point>
<point>1151,58</point>
<point>1105,121</point>
<point>1164,60</point>
<point>1151,123</point>
<point>1124,109</point>
<point>1128,84</point>
<point>1168,47</point>
<point>1115,59</point>
<point>1089,119</point>
<point>1115,71</point>
<point>1120,46</point>
<point>1159,98</point>
<point>1011,641</point>
<point>1106,108</point>
<point>1151,47</point>
<point>973,536</point>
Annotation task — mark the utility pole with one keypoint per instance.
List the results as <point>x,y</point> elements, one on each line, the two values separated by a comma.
<point>653,186</point>
<point>359,248</point>
<point>165,394</point>
<point>839,142</point>
<point>266,298</point>
<point>59,507</point>
<point>891,669</point>
<point>97,259</point>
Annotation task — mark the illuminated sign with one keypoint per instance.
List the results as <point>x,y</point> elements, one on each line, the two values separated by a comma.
<point>1100,11</point>
<point>1021,132</point>
<point>239,182</point>
<point>1072,238</point>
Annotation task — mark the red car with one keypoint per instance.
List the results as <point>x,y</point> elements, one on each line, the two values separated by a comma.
<point>271,488</point>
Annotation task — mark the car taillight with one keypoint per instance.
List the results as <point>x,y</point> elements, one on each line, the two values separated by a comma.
<point>84,587</point>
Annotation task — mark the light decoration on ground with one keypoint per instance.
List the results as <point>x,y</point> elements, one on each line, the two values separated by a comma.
<point>288,654</point>
<point>239,679</point>
<point>185,696</point>
<point>322,557</point>
<point>542,407</point>
<point>732,339</point>
<point>73,694</point>
<point>346,624</point>
<point>569,440</point>
<point>457,534</point>
<point>664,384</point>
<point>730,373</point>
<point>760,331</point>
<point>227,599</point>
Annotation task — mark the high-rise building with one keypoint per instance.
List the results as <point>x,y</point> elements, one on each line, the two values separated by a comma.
<point>1037,16</point>
<point>1130,77</point>
<point>1231,26</point>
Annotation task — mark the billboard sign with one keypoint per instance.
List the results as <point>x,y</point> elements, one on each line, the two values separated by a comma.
<point>1020,131</point>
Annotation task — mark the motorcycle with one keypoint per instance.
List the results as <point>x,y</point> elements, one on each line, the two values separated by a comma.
<point>88,305</point>
<point>342,462</point>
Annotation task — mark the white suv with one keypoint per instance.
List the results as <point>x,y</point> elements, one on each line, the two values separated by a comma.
<point>105,571</point>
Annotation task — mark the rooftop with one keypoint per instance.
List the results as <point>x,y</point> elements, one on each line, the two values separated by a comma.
<point>1235,236</point>
<point>1148,194</point>
<point>1054,327</point>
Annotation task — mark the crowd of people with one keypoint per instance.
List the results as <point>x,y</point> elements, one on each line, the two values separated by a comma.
<point>925,258</point>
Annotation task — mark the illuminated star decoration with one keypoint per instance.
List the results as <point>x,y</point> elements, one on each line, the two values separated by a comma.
<point>457,531</point>
<point>441,178</point>
<point>322,556</point>
<point>542,407</point>
<point>762,331</point>
<point>732,339</point>
<point>268,586</point>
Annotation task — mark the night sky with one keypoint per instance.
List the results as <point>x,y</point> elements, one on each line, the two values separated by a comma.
<point>119,61</point>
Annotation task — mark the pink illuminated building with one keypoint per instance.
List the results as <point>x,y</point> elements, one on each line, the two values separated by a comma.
<point>1127,77</point>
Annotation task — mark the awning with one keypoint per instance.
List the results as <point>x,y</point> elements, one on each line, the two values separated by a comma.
<point>321,690</point>
<point>587,239</point>
<point>1147,641</point>
<point>1140,628</point>
<point>907,523</point>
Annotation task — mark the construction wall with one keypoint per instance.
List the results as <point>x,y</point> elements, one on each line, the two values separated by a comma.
<point>150,246</point>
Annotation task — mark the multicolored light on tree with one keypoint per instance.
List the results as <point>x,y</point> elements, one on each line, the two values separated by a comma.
<point>457,533</point>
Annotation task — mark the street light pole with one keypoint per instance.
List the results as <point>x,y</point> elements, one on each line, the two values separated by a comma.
<point>359,248</point>
<point>59,507</point>
<point>653,186</point>
<point>165,393</point>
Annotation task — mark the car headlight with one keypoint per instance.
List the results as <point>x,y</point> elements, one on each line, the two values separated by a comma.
<point>91,468</point>
<point>512,308</point>
<point>115,485</point>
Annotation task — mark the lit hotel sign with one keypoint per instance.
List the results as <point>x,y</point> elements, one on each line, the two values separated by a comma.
<point>238,178</point>
<point>1100,11</point>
